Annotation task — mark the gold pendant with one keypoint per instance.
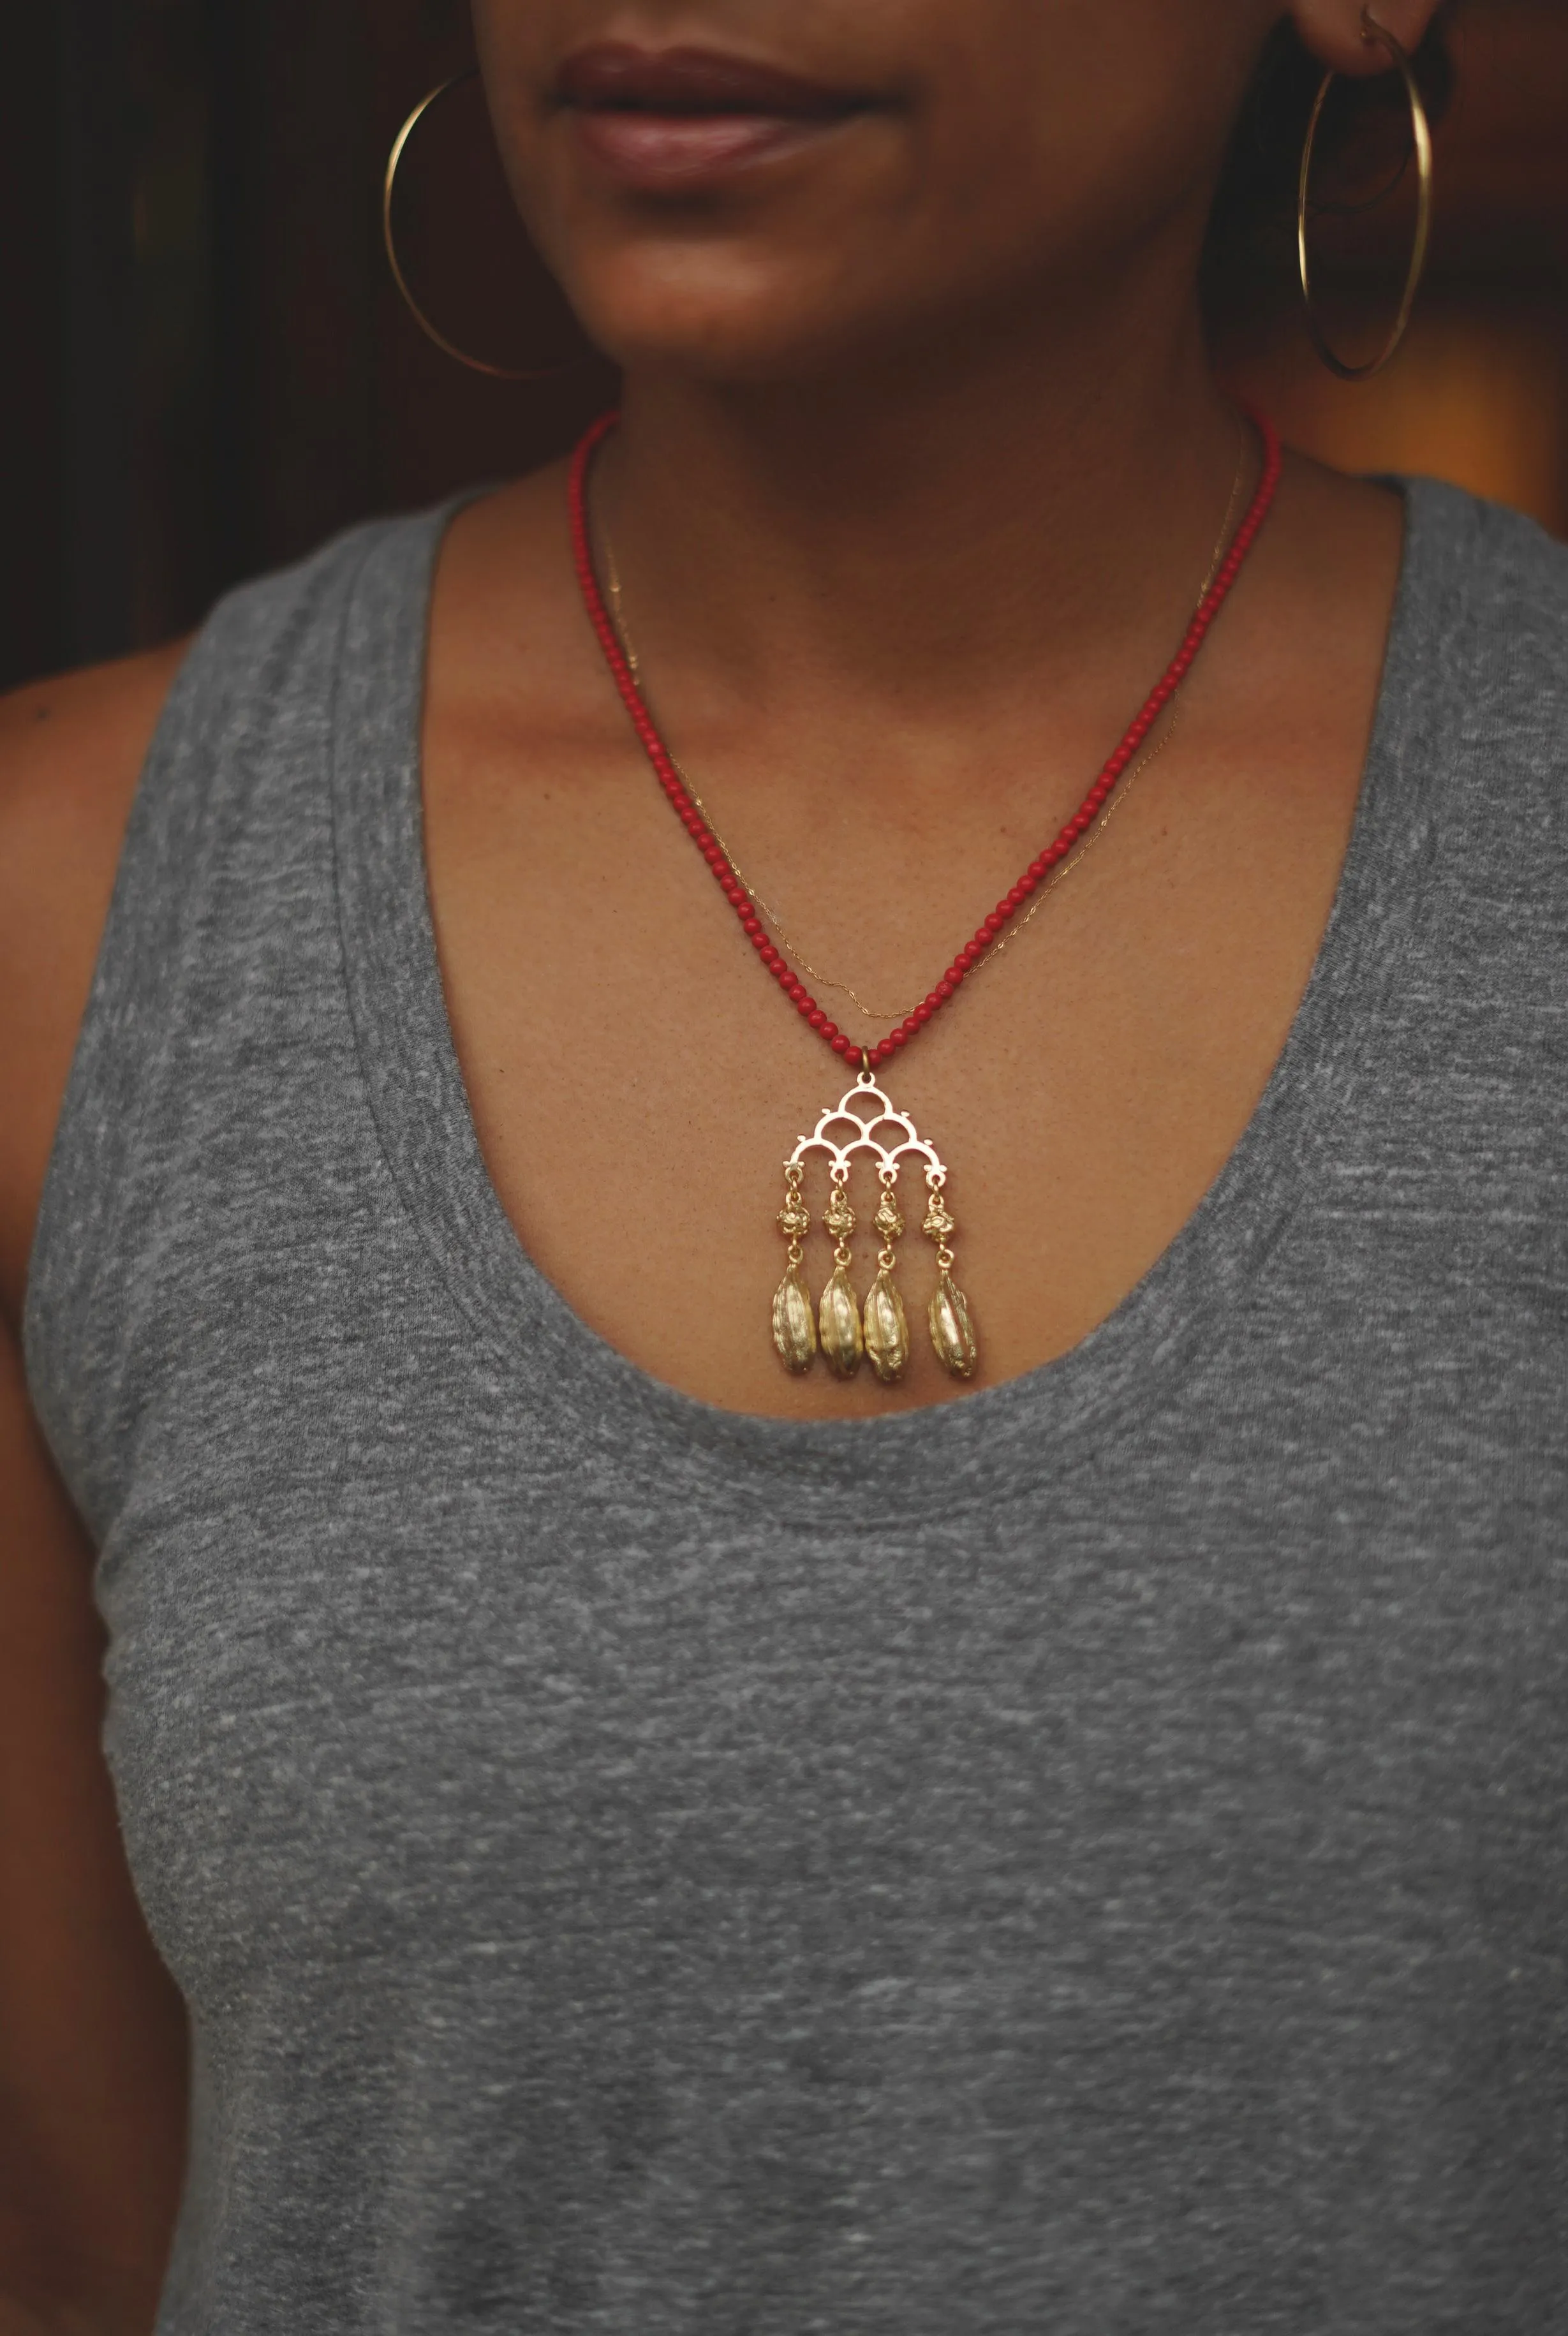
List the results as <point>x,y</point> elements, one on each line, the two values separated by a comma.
<point>865,1123</point>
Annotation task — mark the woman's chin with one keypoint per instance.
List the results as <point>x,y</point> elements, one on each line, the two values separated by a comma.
<point>729,335</point>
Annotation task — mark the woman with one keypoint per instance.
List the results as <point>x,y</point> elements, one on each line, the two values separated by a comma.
<point>657,1828</point>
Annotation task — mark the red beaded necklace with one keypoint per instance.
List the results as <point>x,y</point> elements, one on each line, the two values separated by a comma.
<point>867,1124</point>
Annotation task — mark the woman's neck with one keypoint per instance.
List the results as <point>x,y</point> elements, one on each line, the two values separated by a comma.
<point>1009,521</point>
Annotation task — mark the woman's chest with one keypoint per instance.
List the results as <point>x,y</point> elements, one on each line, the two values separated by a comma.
<point>441,1657</point>
<point>637,1079</point>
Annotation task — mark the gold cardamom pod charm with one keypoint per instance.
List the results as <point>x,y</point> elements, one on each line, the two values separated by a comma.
<point>794,1329</point>
<point>838,1315</point>
<point>887,1330</point>
<point>838,1322</point>
<point>952,1331</point>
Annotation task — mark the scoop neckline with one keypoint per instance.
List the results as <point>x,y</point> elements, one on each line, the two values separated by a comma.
<point>527,1333</point>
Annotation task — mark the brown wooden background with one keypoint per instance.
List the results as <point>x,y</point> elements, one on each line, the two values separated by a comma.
<point>207,370</point>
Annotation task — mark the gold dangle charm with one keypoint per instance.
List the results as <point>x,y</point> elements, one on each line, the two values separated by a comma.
<point>839,1319</point>
<point>794,1329</point>
<point>952,1332</point>
<point>887,1330</point>
<point>865,1123</point>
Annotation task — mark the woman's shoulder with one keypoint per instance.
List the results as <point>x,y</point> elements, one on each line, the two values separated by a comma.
<point>73,750</point>
<point>1475,708</point>
<point>1495,584</point>
<point>1465,851</point>
<point>73,745</point>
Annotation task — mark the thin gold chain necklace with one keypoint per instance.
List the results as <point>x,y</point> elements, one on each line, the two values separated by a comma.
<point>864,1124</point>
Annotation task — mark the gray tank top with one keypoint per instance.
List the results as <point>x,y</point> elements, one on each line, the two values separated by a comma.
<point>1092,1858</point>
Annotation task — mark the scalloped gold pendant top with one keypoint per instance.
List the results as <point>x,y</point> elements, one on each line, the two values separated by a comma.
<point>863,1126</point>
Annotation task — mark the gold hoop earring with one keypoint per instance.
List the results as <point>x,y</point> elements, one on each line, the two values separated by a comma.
<point>1421,129</point>
<point>448,348</point>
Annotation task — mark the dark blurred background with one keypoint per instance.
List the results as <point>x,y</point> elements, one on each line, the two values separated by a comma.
<point>207,370</point>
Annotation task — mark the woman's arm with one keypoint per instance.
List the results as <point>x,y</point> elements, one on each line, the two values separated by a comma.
<point>92,2027</point>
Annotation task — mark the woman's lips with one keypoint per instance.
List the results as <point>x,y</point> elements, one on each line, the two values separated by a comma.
<point>617,73</point>
<point>679,151</point>
<point>672,119</point>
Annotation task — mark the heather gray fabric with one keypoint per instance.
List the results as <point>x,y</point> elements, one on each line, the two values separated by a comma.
<point>1093,1859</point>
